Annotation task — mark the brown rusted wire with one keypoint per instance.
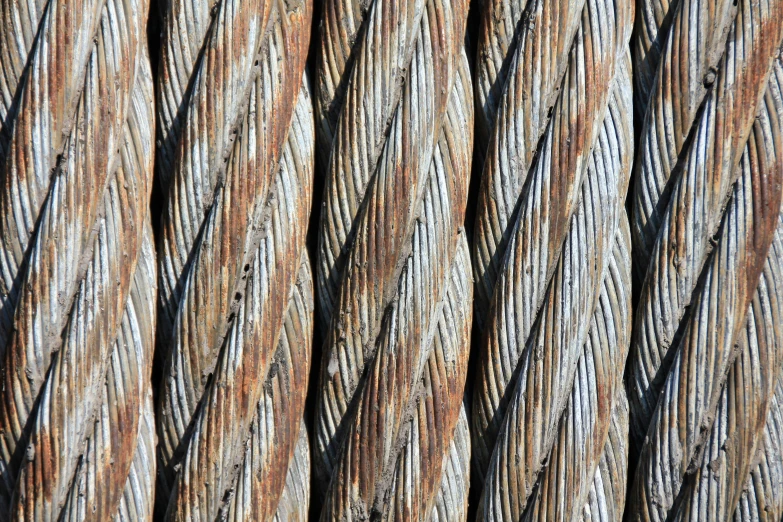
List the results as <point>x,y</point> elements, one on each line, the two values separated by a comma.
<point>77,270</point>
<point>236,150</point>
<point>551,256</point>
<point>705,377</point>
<point>394,119</point>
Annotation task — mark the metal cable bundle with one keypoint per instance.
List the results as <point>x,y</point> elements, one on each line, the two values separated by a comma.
<point>394,121</point>
<point>706,359</point>
<point>236,150</point>
<point>551,256</point>
<point>77,271</point>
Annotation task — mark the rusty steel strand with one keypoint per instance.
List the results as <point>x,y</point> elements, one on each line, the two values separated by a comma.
<point>762,498</point>
<point>127,404</point>
<point>236,143</point>
<point>271,449</point>
<point>294,503</point>
<point>707,342</point>
<point>736,438</point>
<point>394,121</point>
<point>606,500</point>
<point>552,259</point>
<point>137,497</point>
<point>77,277</point>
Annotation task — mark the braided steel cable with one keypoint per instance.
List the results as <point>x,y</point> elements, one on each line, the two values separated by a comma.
<point>236,144</point>
<point>77,278</point>
<point>551,257</point>
<point>394,122</point>
<point>707,347</point>
<point>451,502</point>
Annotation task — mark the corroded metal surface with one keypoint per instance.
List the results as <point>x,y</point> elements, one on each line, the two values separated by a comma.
<point>77,271</point>
<point>707,350</point>
<point>116,474</point>
<point>394,119</point>
<point>236,147</point>
<point>606,500</point>
<point>294,503</point>
<point>762,498</point>
<point>552,260</point>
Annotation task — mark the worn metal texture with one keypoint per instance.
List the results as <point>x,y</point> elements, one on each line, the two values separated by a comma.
<point>272,455</point>
<point>77,271</point>
<point>707,349</point>
<point>762,498</point>
<point>735,445</point>
<point>394,121</point>
<point>294,503</point>
<point>236,147</point>
<point>551,256</point>
<point>606,499</point>
<point>115,478</point>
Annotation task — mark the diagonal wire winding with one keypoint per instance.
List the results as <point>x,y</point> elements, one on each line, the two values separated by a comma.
<point>707,349</point>
<point>551,259</point>
<point>236,144</point>
<point>394,122</point>
<point>77,275</point>
<point>745,415</point>
<point>126,403</point>
<point>762,498</point>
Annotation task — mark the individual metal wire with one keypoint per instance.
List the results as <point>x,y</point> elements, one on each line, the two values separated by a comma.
<point>394,119</point>
<point>236,147</point>
<point>551,256</point>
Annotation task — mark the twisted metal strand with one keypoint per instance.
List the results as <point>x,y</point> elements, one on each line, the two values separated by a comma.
<point>276,427</point>
<point>214,108</point>
<point>415,491</point>
<point>73,391</point>
<point>451,502</point>
<point>137,497</point>
<point>511,42</point>
<point>394,118</point>
<point>704,359</point>
<point>235,299</point>
<point>127,405</point>
<point>581,441</point>
<point>390,94</point>
<point>69,84</point>
<point>411,495</point>
<point>240,48</point>
<point>606,500</point>
<point>738,98</point>
<point>714,487</point>
<point>518,82</point>
<point>294,504</point>
<point>698,31</point>
<point>76,174</point>
<point>762,499</point>
<point>548,219</point>
<point>680,93</point>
